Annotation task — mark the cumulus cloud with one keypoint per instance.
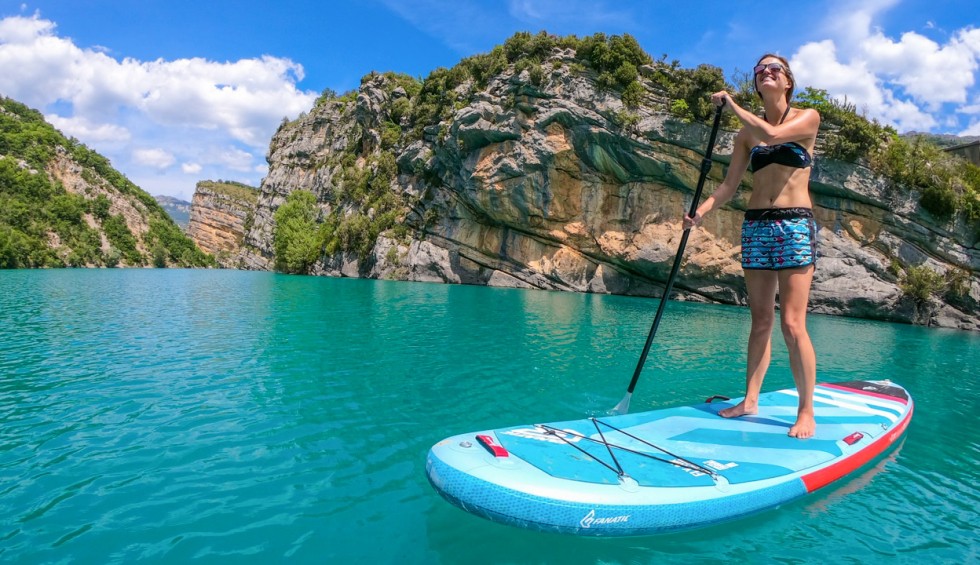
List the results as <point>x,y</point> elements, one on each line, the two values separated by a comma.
<point>246,98</point>
<point>909,82</point>
<point>856,83</point>
<point>83,128</point>
<point>190,168</point>
<point>18,29</point>
<point>928,72</point>
<point>105,101</point>
<point>155,158</point>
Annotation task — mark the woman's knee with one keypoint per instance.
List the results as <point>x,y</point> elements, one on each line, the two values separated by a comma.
<point>793,328</point>
<point>763,322</point>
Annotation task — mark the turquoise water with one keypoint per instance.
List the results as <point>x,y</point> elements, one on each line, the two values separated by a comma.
<point>220,416</point>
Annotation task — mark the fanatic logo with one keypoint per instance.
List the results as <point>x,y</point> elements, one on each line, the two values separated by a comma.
<point>589,520</point>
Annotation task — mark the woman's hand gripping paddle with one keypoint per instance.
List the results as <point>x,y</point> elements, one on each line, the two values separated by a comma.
<point>624,405</point>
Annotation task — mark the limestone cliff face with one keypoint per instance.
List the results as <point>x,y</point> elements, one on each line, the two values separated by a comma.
<point>550,182</point>
<point>220,215</point>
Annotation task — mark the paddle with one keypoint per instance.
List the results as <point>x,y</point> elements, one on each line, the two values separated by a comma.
<point>624,404</point>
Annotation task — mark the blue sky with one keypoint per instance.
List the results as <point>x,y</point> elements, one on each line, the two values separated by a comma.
<point>178,91</point>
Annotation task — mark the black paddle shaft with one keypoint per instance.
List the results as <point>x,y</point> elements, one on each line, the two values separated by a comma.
<point>705,167</point>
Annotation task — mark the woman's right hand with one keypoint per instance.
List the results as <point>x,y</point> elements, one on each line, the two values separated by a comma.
<point>690,222</point>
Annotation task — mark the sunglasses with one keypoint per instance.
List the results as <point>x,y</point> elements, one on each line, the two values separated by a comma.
<point>773,68</point>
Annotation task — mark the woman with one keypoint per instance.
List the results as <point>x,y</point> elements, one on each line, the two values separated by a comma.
<point>778,233</point>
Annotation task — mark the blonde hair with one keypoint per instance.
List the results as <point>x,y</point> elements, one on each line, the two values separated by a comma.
<point>786,69</point>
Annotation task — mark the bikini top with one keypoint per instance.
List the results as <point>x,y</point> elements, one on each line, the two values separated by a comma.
<point>790,154</point>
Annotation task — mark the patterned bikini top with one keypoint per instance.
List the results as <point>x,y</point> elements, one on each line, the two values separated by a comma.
<point>790,154</point>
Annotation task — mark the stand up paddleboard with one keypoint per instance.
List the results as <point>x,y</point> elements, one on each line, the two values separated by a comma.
<point>666,470</point>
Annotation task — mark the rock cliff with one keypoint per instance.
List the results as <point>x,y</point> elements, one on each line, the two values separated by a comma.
<point>221,213</point>
<point>540,176</point>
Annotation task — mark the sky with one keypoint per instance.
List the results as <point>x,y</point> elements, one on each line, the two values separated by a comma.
<point>178,91</point>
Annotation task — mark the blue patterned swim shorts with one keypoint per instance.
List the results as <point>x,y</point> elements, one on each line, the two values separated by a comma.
<point>779,238</point>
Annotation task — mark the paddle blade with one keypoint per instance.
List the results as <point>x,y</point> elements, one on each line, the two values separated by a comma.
<point>624,405</point>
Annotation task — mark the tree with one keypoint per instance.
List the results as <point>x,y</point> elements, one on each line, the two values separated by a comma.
<point>294,238</point>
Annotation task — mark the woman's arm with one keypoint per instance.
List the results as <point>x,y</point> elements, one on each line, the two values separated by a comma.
<point>726,190</point>
<point>802,125</point>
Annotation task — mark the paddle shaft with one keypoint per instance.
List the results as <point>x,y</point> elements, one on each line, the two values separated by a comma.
<point>705,167</point>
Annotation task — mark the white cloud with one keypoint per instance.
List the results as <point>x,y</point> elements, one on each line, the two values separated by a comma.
<point>972,129</point>
<point>244,97</point>
<point>930,73</point>
<point>184,108</point>
<point>84,129</point>
<point>849,22</point>
<point>156,158</point>
<point>855,83</point>
<point>913,83</point>
<point>231,158</point>
<point>19,29</point>
<point>190,168</point>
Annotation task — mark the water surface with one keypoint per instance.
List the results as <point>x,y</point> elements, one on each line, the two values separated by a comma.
<point>219,416</point>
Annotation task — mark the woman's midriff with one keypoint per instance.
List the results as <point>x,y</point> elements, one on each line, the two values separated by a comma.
<point>778,186</point>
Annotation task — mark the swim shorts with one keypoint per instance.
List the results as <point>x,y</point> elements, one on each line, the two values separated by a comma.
<point>779,238</point>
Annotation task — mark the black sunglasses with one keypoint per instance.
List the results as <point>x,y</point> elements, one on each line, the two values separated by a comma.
<point>773,68</point>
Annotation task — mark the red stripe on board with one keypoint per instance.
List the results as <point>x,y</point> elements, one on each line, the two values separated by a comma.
<point>827,475</point>
<point>866,392</point>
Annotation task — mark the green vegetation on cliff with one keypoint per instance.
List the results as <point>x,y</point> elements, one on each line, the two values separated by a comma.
<point>236,191</point>
<point>295,238</point>
<point>364,207</point>
<point>44,225</point>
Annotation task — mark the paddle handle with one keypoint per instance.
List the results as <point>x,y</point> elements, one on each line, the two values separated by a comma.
<point>705,168</point>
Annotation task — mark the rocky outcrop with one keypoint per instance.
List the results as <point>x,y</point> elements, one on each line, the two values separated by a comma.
<point>552,183</point>
<point>77,179</point>
<point>220,215</point>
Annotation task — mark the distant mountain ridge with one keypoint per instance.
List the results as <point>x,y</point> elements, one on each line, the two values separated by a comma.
<point>179,210</point>
<point>943,139</point>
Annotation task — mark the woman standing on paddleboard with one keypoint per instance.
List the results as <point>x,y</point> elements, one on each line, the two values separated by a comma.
<point>778,233</point>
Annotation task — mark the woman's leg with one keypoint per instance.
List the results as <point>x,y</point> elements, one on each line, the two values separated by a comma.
<point>761,287</point>
<point>794,294</point>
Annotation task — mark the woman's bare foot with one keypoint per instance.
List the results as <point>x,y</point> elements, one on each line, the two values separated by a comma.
<point>804,427</point>
<point>739,409</point>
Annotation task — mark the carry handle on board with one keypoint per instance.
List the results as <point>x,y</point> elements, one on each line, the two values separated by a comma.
<point>624,405</point>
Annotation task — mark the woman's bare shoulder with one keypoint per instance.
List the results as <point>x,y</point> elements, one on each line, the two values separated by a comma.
<point>745,140</point>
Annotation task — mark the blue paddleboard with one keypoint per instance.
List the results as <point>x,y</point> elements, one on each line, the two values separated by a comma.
<point>666,470</point>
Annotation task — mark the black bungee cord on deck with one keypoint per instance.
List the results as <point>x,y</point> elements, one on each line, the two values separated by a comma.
<point>678,461</point>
